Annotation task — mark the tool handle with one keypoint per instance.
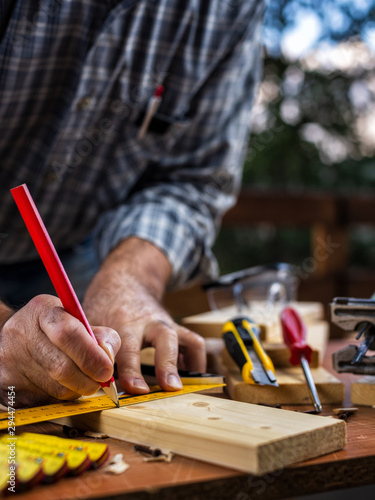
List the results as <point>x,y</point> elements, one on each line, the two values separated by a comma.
<point>240,336</point>
<point>235,349</point>
<point>237,340</point>
<point>294,333</point>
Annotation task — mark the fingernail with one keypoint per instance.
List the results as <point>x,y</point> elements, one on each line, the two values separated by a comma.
<point>109,350</point>
<point>174,381</point>
<point>140,384</point>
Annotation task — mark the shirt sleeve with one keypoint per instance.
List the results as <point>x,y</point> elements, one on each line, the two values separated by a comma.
<point>179,204</point>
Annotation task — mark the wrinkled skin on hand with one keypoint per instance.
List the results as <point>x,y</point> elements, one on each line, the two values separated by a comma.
<point>47,354</point>
<point>125,295</point>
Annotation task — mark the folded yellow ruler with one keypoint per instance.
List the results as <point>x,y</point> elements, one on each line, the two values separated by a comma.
<point>89,405</point>
<point>28,459</point>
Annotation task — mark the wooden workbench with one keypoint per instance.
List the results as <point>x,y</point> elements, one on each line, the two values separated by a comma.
<point>189,479</point>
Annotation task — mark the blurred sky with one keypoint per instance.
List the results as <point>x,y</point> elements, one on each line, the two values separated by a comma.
<point>309,23</point>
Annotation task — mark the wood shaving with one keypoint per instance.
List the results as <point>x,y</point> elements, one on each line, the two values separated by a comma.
<point>116,465</point>
<point>95,435</point>
<point>345,413</point>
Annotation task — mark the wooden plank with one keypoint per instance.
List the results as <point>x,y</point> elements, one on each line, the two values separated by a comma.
<point>280,355</point>
<point>210,324</point>
<point>361,209</point>
<point>362,392</point>
<point>317,335</point>
<point>277,207</point>
<point>292,388</point>
<point>249,438</point>
<point>330,249</point>
<point>148,356</point>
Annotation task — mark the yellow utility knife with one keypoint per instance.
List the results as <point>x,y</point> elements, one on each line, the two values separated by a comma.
<point>241,337</point>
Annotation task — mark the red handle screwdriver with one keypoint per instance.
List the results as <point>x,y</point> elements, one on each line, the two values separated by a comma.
<point>294,333</point>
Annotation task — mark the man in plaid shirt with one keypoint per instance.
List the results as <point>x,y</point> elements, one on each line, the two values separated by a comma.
<point>129,215</point>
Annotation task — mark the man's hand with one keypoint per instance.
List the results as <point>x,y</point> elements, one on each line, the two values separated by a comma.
<point>48,355</point>
<point>125,295</point>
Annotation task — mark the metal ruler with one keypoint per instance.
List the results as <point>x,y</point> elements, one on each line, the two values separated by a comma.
<point>88,405</point>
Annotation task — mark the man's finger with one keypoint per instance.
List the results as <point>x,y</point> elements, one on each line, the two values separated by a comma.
<point>70,336</point>
<point>56,374</point>
<point>129,365</point>
<point>38,360</point>
<point>108,339</point>
<point>193,350</point>
<point>165,340</point>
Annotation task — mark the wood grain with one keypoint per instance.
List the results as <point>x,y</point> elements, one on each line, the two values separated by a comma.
<point>246,437</point>
<point>363,391</point>
<point>317,334</point>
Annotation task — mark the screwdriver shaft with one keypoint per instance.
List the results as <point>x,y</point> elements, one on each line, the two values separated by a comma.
<point>311,385</point>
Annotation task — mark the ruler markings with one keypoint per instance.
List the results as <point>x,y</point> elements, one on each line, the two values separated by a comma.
<point>26,416</point>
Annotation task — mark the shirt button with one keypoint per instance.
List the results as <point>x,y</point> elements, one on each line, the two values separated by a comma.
<point>85,103</point>
<point>50,177</point>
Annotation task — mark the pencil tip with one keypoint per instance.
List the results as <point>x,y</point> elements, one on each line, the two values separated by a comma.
<point>111,391</point>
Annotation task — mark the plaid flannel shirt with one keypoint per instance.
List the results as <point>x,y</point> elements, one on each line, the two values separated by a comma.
<point>76,77</point>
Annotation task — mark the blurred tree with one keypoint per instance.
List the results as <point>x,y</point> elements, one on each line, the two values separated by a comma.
<point>313,124</point>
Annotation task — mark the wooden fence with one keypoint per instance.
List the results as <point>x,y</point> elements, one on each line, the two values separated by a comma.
<point>326,272</point>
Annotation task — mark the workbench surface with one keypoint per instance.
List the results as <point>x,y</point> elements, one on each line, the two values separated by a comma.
<point>185,478</point>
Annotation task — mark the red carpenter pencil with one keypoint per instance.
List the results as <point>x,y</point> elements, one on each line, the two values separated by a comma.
<point>54,267</point>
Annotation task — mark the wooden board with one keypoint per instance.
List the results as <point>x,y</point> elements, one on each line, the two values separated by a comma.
<point>280,355</point>
<point>362,392</point>
<point>148,356</point>
<point>249,438</point>
<point>317,335</point>
<point>210,324</point>
<point>292,388</point>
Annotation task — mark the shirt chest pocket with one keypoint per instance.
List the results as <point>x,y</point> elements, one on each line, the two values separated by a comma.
<point>156,133</point>
<point>162,133</point>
